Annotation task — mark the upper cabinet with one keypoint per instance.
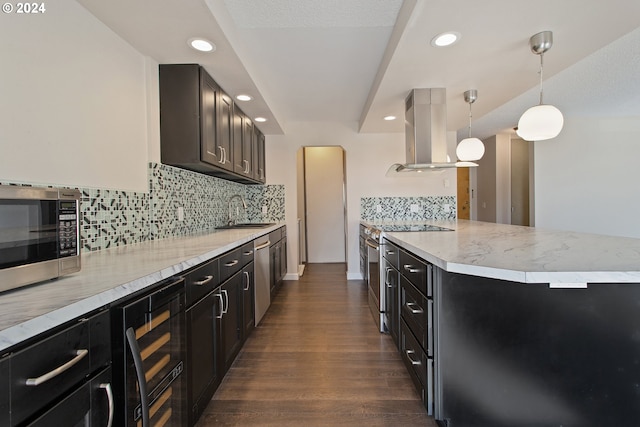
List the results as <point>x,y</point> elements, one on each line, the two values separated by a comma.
<point>201,129</point>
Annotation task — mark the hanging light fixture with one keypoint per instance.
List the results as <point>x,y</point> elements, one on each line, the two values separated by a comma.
<point>542,121</point>
<point>470,149</point>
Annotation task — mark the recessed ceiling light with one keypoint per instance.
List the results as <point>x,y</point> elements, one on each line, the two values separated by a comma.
<point>389,118</point>
<point>445,39</point>
<point>260,119</point>
<point>202,45</point>
<point>243,97</point>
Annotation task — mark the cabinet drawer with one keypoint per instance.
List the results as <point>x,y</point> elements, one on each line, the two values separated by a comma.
<point>246,253</point>
<point>391,253</point>
<point>420,366</point>
<point>417,311</point>
<point>202,280</point>
<point>81,348</point>
<point>418,272</point>
<point>230,264</point>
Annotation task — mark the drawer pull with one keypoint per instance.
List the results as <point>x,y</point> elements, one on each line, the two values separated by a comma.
<point>411,269</point>
<point>247,253</point>
<point>204,281</point>
<point>410,306</point>
<point>411,353</point>
<point>107,388</point>
<point>80,354</point>
<point>247,286</point>
<point>390,252</point>
<point>263,245</point>
<point>231,263</point>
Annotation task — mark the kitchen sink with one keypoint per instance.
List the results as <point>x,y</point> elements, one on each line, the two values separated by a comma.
<point>246,225</point>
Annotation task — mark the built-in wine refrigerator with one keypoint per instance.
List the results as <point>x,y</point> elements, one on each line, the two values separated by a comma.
<point>148,359</point>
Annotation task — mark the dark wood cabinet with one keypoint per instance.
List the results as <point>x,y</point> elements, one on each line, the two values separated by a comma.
<point>5,387</point>
<point>231,320</point>
<point>277,259</point>
<point>248,300</point>
<point>259,156</point>
<point>201,128</point>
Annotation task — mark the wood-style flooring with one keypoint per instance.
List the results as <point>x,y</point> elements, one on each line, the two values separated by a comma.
<point>317,359</point>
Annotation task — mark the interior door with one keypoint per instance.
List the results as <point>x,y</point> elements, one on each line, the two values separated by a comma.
<point>464,202</point>
<point>325,204</point>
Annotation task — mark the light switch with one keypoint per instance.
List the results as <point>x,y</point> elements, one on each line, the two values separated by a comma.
<point>447,207</point>
<point>378,209</point>
<point>446,183</point>
<point>180,213</point>
<point>414,208</point>
<point>264,209</point>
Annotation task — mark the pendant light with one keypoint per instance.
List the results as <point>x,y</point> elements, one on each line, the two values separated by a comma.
<point>542,121</point>
<point>470,149</point>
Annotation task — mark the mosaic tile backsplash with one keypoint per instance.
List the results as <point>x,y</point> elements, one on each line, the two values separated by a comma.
<point>115,218</point>
<point>399,208</point>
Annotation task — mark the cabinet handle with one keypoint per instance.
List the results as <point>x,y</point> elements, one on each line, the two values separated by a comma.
<point>204,281</point>
<point>386,278</point>
<point>246,167</point>
<point>219,295</point>
<point>413,310</point>
<point>411,269</point>
<point>231,263</point>
<point>226,299</point>
<point>248,283</point>
<point>80,354</point>
<point>411,353</point>
<point>390,252</point>
<point>107,388</point>
<point>247,253</point>
<point>142,381</point>
<point>222,154</point>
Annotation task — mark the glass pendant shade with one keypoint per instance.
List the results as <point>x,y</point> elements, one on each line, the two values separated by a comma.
<point>470,149</point>
<point>540,123</point>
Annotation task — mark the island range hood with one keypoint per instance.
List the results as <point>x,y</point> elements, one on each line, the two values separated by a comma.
<point>426,133</point>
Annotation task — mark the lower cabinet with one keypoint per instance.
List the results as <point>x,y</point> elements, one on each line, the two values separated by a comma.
<point>278,258</point>
<point>231,319</point>
<point>203,333</point>
<point>64,379</point>
<point>248,300</point>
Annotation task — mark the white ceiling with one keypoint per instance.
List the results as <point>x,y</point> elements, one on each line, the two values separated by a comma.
<point>356,60</point>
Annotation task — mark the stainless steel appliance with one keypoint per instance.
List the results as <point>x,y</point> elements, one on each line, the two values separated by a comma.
<point>39,234</point>
<point>149,348</point>
<point>374,240</point>
<point>262,286</point>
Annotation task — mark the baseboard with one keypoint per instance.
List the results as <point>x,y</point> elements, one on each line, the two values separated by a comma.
<point>354,276</point>
<point>291,276</point>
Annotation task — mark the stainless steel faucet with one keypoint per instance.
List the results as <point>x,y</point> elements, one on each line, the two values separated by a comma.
<point>231,220</point>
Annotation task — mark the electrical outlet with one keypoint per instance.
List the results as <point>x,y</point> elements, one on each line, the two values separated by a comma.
<point>446,183</point>
<point>378,209</point>
<point>415,208</point>
<point>180,213</point>
<point>264,209</point>
<point>447,207</point>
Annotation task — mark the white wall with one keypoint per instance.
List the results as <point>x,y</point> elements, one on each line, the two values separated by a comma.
<point>587,179</point>
<point>73,102</point>
<point>368,156</point>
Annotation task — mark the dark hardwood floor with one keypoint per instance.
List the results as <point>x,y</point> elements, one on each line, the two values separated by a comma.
<point>317,360</point>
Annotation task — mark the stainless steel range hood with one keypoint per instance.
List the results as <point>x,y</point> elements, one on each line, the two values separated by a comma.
<point>426,133</point>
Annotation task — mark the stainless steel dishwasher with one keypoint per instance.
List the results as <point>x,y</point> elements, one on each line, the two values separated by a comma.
<point>262,288</point>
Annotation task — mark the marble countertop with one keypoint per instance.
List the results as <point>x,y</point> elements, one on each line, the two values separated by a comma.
<point>108,276</point>
<point>526,254</point>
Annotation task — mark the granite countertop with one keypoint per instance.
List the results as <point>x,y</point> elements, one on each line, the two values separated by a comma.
<point>108,276</point>
<point>525,254</point>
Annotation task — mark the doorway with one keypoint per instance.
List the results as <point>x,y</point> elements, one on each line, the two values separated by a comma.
<point>322,215</point>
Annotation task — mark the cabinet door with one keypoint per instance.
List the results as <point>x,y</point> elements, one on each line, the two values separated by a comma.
<point>231,322</point>
<point>238,135</point>
<point>392,310</point>
<point>209,93</point>
<point>248,300</point>
<point>101,401</point>
<point>203,367</point>
<point>248,137</point>
<point>4,390</point>
<point>258,156</point>
<point>224,129</point>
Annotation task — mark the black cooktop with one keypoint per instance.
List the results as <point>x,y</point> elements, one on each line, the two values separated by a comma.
<point>409,227</point>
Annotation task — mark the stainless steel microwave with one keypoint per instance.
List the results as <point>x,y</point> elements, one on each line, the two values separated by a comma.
<point>39,234</point>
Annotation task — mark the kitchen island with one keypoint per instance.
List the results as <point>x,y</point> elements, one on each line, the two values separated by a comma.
<point>532,327</point>
<point>108,276</point>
